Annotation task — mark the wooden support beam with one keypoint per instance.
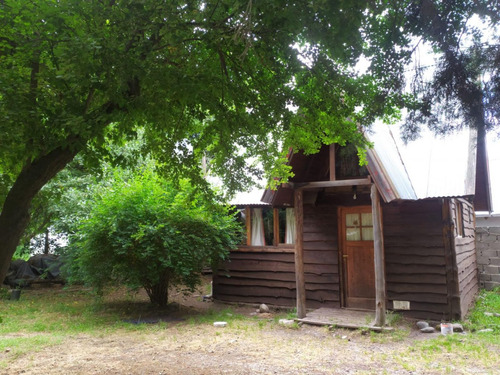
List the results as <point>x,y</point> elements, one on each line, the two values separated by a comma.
<point>248,222</point>
<point>332,162</point>
<point>299,254</point>
<point>379,259</point>
<point>345,325</point>
<point>454,309</point>
<point>327,184</point>
<point>276,226</point>
<point>387,190</point>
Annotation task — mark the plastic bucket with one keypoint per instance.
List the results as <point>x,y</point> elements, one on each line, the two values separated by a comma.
<point>446,328</point>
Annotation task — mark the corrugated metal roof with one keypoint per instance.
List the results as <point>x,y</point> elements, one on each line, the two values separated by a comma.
<point>386,155</point>
<point>428,167</point>
<point>249,198</point>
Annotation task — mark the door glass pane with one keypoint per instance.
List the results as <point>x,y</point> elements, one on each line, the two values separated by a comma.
<point>352,220</point>
<point>366,220</point>
<point>352,234</point>
<point>367,233</point>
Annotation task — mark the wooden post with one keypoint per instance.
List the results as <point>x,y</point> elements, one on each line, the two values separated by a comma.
<point>276,226</point>
<point>248,222</point>
<point>299,254</point>
<point>379,261</point>
<point>332,162</point>
<point>452,287</point>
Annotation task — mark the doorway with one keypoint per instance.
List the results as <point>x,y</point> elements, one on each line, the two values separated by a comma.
<point>356,251</point>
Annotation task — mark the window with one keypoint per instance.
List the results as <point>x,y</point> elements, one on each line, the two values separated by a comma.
<point>257,228</point>
<point>267,226</point>
<point>459,218</point>
<point>359,227</point>
<point>242,219</point>
<point>290,226</point>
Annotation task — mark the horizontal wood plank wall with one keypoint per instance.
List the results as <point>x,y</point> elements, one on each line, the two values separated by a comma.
<point>256,277</point>
<point>269,277</point>
<point>321,259</point>
<point>465,251</point>
<point>414,254</point>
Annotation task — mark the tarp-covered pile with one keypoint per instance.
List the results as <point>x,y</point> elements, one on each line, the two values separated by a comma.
<point>38,267</point>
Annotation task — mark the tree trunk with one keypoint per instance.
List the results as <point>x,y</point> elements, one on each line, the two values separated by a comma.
<point>158,293</point>
<point>15,216</point>
<point>46,246</point>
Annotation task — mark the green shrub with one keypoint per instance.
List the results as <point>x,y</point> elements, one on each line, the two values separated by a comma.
<point>4,293</point>
<point>146,232</point>
<point>482,316</point>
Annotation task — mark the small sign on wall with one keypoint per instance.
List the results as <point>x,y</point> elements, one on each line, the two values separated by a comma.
<point>401,305</point>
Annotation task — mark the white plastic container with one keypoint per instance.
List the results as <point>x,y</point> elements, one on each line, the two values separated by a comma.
<point>220,324</point>
<point>446,328</point>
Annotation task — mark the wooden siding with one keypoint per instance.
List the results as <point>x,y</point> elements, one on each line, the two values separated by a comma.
<point>256,277</point>
<point>422,266</point>
<point>415,258</point>
<point>321,257</point>
<point>269,277</point>
<point>465,254</point>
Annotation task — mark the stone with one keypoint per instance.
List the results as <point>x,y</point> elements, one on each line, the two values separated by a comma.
<point>495,279</point>
<point>489,253</point>
<point>457,327</point>
<point>263,308</point>
<point>428,330</point>
<point>489,239</point>
<point>421,324</point>
<point>492,269</point>
<point>495,261</point>
<point>286,322</point>
<point>485,330</point>
<point>490,285</point>
<point>484,277</point>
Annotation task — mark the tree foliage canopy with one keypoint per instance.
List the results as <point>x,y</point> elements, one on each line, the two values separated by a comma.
<point>214,78</point>
<point>454,81</point>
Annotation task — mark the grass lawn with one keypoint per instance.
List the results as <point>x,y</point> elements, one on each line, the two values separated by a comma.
<point>75,333</point>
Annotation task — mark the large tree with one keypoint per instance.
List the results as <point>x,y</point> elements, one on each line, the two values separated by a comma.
<point>217,78</point>
<point>451,55</point>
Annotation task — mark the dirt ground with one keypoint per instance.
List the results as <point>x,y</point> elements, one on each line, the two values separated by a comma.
<point>254,346</point>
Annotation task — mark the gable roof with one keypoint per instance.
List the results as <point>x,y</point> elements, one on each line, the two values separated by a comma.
<point>429,167</point>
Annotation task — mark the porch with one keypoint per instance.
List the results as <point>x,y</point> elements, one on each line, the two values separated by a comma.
<point>343,318</point>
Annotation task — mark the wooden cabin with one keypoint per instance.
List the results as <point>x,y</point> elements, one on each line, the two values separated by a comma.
<point>343,236</point>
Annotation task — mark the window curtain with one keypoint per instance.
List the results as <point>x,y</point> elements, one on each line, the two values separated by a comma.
<point>290,226</point>
<point>257,228</point>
